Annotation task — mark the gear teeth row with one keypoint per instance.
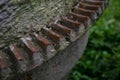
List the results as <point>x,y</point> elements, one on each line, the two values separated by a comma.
<point>45,44</point>
<point>68,33</point>
<point>57,39</point>
<point>80,18</point>
<point>90,13</point>
<point>95,8</point>
<point>17,57</point>
<point>100,3</point>
<point>33,50</point>
<point>78,27</point>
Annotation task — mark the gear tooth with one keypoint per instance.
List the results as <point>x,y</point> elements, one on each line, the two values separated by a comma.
<point>33,51</point>
<point>56,38</point>
<point>45,44</point>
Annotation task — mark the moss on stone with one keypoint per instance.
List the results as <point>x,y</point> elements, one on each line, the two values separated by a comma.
<point>19,1</point>
<point>31,16</point>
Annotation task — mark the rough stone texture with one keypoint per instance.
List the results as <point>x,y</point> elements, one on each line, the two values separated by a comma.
<point>32,16</point>
<point>19,18</point>
<point>62,63</point>
<point>56,68</point>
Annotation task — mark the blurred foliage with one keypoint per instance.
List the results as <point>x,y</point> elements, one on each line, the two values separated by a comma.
<point>101,60</point>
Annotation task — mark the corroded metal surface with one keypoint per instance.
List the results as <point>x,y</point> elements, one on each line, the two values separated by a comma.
<point>35,47</point>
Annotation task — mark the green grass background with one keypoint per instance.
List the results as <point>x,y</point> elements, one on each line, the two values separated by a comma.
<point>101,60</point>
